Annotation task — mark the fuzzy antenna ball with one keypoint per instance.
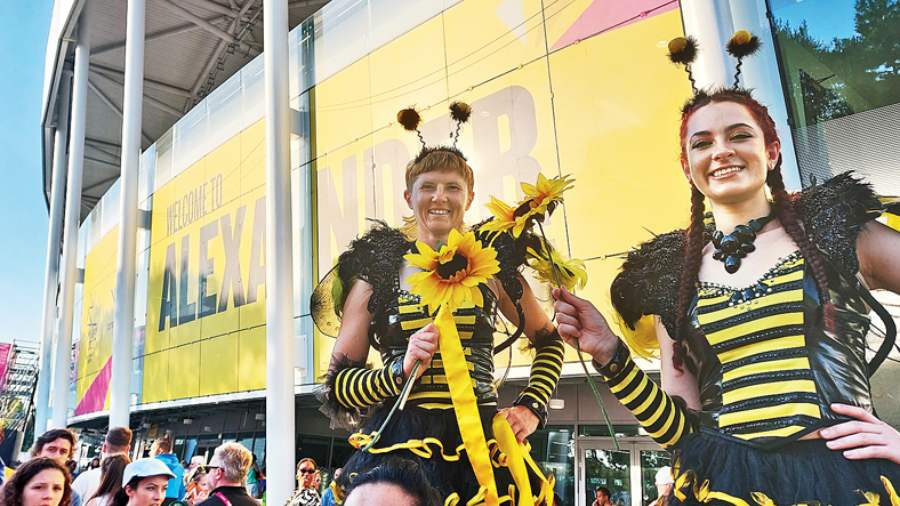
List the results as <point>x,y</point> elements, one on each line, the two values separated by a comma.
<point>409,118</point>
<point>460,112</point>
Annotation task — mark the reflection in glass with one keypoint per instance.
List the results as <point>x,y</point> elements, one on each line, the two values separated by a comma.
<point>552,448</point>
<point>610,469</point>
<point>651,462</point>
<point>839,57</point>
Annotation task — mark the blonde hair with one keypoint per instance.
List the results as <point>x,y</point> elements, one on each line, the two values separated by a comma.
<point>436,159</point>
<point>235,461</point>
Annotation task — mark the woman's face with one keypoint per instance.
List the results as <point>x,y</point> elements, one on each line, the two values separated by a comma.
<point>439,200</point>
<point>45,489</point>
<point>150,491</point>
<point>727,157</point>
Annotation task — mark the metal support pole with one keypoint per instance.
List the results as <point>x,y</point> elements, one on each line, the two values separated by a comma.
<point>123,324</point>
<point>762,75</point>
<point>51,271</point>
<point>279,265</point>
<point>63,350</point>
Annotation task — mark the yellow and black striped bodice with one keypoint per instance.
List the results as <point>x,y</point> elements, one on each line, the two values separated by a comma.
<point>476,331</point>
<point>767,387</point>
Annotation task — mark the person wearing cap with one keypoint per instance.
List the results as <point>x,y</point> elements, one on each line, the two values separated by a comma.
<point>144,483</point>
<point>664,484</point>
<point>225,477</point>
<point>116,442</point>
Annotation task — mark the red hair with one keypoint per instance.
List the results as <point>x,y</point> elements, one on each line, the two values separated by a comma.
<point>782,202</point>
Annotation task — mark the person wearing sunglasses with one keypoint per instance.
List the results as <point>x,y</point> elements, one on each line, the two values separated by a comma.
<point>308,478</point>
<point>225,477</point>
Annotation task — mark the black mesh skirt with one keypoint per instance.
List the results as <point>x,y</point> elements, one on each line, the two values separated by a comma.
<point>713,468</point>
<point>446,476</point>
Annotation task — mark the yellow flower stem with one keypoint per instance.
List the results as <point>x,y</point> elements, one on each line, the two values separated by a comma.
<point>587,375</point>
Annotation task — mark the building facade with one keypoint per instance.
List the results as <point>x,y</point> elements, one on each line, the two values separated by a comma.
<point>579,87</point>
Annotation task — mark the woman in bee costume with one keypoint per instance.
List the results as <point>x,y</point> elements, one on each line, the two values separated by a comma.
<point>759,317</point>
<point>367,301</point>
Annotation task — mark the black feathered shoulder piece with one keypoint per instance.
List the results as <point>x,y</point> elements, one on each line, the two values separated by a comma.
<point>648,282</point>
<point>376,257</point>
<point>834,212</point>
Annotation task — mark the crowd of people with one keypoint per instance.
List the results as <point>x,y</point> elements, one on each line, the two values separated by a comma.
<point>231,478</point>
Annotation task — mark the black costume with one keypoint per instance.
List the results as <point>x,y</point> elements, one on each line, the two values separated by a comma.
<point>427,430</point>
<point>767,366</point>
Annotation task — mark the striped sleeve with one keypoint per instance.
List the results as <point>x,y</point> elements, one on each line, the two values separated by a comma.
<point>544,377</point>
<point>359,387</point>
<point>663,419</point>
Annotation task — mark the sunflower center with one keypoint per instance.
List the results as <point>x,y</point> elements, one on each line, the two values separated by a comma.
<point>458,263</point>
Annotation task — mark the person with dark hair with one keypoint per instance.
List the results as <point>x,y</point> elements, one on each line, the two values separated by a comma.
<point>112,471</point>
<point>393,482</point>
<point>56,444</point>
<point>41,481</point>
<point>94,463</point>
<point>162,450</point>
<point>116,442</point>
<point>144,483</point>
<point>602,497</point>
<point>367,301</point>
<point>307,492</point>
<point>759,317</point>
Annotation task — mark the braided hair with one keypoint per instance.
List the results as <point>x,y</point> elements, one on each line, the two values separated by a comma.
<point>783,204</point>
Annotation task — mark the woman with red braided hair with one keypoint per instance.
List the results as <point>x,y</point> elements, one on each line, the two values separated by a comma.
<point>761,317</point>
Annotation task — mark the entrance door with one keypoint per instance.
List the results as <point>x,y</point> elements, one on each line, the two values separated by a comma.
<point>629,473</point>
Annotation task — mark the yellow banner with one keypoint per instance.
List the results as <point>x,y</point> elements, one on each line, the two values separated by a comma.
<point>205,329</point>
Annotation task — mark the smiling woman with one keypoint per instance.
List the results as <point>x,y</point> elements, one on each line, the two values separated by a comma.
<point>386,296</point>
<point>759,313</point>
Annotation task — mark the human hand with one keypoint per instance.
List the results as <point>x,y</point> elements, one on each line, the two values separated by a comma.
<point>578,321</point>
<point>522,420</point>
<point>866,437</point>
<point>422,346</point>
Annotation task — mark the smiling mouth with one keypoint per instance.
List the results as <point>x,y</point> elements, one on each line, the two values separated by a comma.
<point>439,212</point>
<point>726,171</point>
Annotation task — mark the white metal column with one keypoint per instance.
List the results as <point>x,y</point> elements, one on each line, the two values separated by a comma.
<point>51,271</point>
<point>279,266</point>
<point>761,73</point>
<point>712,23</point>
<point>63,351</point>
<point>123,325</point>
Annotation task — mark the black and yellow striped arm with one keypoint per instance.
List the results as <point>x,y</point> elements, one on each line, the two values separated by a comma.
<point>663,419</point>
<point>359,387</point>
<point>544,377</point>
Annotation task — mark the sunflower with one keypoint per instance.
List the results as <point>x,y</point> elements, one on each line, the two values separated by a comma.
<point>451,275</point>
<point>557,271</point>
<point>543,196</point>
<point>505,218</point>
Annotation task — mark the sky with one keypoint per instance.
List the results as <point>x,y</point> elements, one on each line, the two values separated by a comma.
<point>24,25</point>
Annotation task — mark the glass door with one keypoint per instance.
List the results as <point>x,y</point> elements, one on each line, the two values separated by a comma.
<point>628,473</point>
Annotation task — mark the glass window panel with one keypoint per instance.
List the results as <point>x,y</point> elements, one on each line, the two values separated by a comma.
<point>342,31</point>
<point>610,469</point>
<point>838,63</point>
<point>191,138</point>
<point>651,462</point>
<point>253,86</point>
<point>224,106</point>
<point>553,448</point>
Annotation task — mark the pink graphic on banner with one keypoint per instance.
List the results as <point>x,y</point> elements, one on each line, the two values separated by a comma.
<point>6,356</point>
<point>95,397</point>
<point>607,15</point>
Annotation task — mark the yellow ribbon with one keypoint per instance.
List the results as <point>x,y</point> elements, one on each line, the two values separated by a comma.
<point>506,439</point>
<point>462,394</point>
